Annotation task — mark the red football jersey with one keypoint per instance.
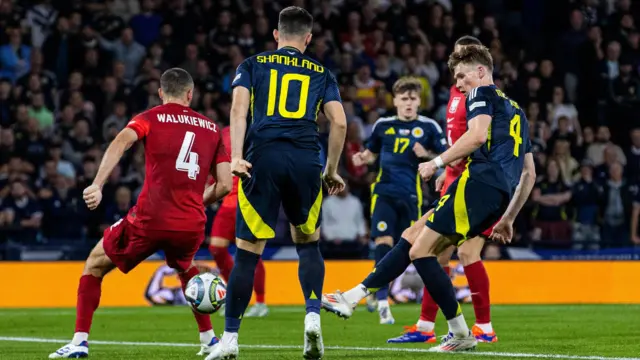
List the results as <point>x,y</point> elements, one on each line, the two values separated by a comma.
<point>456,126</point>
<point>232,198</point>
<point>181,147</point>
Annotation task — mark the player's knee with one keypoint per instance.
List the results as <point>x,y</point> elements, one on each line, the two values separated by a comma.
<point>299,237</point>
<point>411,234</point>
<point>417,252</point>
<point>98,264</point>
<point>445,256</point>
<point>384,240</point>
<point>469,251</point>
<point>256,247</point>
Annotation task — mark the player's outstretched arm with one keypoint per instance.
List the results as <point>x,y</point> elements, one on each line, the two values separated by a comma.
<point>469,142</point>
<point>364,157</point>
<point>222,186</point>
<point>523,190</point>
<point>239,108</point>
<point>337,133</point>
<point>92,195</point>
<point>503,231</point>
<point>125,139</point>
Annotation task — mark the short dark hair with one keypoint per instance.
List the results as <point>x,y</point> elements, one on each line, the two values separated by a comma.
<point>295,21</point>
<point>175,82</point>
<point>468,40</point>
<point>407,84</point>
<point>471,54</point>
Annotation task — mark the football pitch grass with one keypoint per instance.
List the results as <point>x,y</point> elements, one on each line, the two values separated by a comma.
<point>581,332</point>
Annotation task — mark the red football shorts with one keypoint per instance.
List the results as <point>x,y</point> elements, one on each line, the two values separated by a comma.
<point>127,245</point>
<point>489,230</point>
<point>448,180</point>
<point>224,224</point>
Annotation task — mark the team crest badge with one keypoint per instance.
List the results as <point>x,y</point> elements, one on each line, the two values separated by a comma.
<point>417,132</point>
<point>382,226</point>
<point>454,104</point>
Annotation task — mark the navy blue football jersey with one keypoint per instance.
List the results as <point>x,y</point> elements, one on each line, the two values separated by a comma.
<point>499,162</point>
<point>393,140</point>
<point>287,91</point>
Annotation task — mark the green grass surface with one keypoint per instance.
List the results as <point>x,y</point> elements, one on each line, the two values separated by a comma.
<point>564,332</point>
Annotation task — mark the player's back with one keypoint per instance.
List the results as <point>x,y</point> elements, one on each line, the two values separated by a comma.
<point>181,146</point>
<point>500,161</point>
<point>287,91</point>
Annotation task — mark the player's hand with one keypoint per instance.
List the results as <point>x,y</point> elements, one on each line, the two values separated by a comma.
<point>333,182</point>
<point>240,167</point>
<point>427,170</point>
<point>419,150</point>
<point>502,232</point>
<point>92,195</point>
<point>358,159</point>
<point>440,181</point>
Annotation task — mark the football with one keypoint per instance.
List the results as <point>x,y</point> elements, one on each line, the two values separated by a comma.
<point>206,293</point>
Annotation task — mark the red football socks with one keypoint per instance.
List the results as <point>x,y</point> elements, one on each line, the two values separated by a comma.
<point>88,300</point>
<point>429,307</point>
<point>258,282</point>
<point>204,321</point>
<point>479,285</point>
<point>223,259</point>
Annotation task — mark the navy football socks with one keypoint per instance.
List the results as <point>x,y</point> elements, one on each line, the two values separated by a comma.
<point>239,289</point>
<point>311,274</point>
<point>389,267</point>
<point>439,285</point>
<point>380,251</point>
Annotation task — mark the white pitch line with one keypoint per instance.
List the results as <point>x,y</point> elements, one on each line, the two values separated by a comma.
<point>349,348</point>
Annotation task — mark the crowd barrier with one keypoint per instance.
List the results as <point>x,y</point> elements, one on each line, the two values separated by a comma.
<point>512,282</point>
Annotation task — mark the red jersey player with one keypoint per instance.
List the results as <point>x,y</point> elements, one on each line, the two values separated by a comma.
<point>181,147</point>
<point>223,232</point>
<point>469,252</point>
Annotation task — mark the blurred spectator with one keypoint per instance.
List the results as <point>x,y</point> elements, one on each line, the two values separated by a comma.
<point>344,228</point>
<point>618,198</point>
<point>15,57</point>
<point>61,51</point>
<point>119,209</point>
<point>21,213</point>
<point>64,211</point>
<point>633,158</point>
<point>568,165</point>
<point>127,50</point>
<point>595,152</point>
<point>79,142</point>
<point>39,111</point>
<point>587,195</point>
<point>551,218</point>
<point>146,25</point>
<point>115,122</point>
<point>41,18</point>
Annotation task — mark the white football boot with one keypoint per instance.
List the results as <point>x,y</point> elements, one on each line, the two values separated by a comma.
<point>257,310</point>
<point>337,304</point>
<point>313,345</point>
<point>456,343</point>
<point>226,349</point>
<point>206,348</point>
<point>71,351</point>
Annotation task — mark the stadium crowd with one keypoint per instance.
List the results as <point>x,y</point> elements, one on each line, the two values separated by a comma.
<point>72,73</point>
